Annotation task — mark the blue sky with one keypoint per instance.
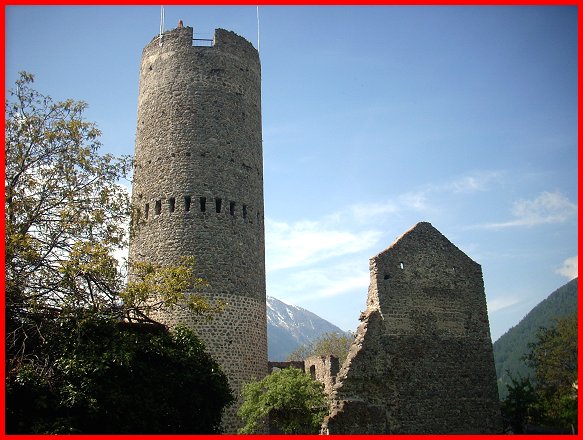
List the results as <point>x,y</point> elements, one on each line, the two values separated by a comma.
<point>374,118</point>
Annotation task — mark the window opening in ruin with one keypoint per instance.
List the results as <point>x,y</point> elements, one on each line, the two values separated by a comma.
<point>218,205</point>
<point>386,277</point>
<point>158,207</point>
<point>187,203</point>
<point>401,265</point>
<point>172,204</point>
<point>232,208</point>
<point>313,371</point>
<point>203,204</point>
<point>147,210</point>
<point>244,211</point>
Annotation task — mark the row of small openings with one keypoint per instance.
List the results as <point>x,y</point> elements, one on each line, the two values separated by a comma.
<point>202,206</point>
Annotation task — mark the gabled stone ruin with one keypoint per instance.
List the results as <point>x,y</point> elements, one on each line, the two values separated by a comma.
<point>422,359</point>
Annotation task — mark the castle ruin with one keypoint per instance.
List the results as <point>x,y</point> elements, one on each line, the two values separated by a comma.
<point>198,188</point>
<point>422,359</point>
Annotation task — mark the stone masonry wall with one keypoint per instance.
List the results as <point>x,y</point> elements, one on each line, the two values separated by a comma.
<point>323,369</point>
<point>198,188</point>
<point>422,360</point>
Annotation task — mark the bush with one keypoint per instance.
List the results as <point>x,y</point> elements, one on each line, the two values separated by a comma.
<point>109,377</point>
<point>289,400</point>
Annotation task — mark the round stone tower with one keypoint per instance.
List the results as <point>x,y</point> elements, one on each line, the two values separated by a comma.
<point>198,188</point>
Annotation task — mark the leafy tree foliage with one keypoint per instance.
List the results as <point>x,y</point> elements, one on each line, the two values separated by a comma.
<point>155,287</point>
<point>288,399</point>
<point>335,344</point>
<point>111,377</point>
<point>551,398</point>
<point>554,359</point>
<point>65,216</point>
<point>517,406</point>
<point>64,211</point>
<point>510,348</point>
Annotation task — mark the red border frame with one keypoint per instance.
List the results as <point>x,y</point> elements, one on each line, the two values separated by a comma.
<point>259,3</point>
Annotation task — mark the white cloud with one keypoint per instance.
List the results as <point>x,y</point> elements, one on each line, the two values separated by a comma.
<point>570,268</point>
<point>308,242</point>
<point>355,228</point>
<point>365,212</point>
<point>321,282</point>
<point>415,200</point>
<point>546,208</point>
<point>478,181</point>
<point>497,304</point>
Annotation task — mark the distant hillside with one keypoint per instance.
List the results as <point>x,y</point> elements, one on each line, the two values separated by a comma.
<point>290,326</point>
<point>513,345</point>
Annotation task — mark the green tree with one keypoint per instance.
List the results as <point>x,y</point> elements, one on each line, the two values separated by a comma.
<point>65,215</point>
<point>518,404</point>
<point>111,377</point>
<point>288,399</point>
<point>62,203</point>
<point>554,359</point>
<point>335,344</point>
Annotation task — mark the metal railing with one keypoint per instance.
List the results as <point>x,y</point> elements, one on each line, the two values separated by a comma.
<point>206,42</point>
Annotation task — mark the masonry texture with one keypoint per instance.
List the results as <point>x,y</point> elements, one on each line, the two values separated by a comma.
<point>422,359</point>
<point>198,188</point>
<point>323,369</point>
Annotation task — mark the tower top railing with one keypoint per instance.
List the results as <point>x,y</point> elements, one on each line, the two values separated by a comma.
<point>203,42</point>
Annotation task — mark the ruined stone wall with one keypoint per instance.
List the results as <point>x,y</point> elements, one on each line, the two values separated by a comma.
<point>323,369</point>
<point>198,188</point>
<point>422,360</point>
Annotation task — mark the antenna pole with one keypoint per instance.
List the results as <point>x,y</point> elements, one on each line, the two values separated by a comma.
<point>258,28</point>
<point>161,24</point>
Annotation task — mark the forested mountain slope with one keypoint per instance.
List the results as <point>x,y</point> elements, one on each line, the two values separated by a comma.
<point>513,345</point>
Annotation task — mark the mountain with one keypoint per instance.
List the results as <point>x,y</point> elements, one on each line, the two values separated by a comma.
<point>290,326</point>
<point>513,345</point>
